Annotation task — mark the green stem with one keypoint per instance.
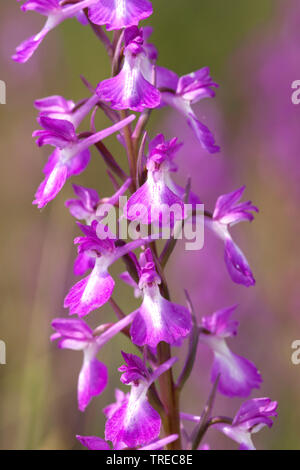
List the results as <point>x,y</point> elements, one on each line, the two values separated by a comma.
<point>169,397</point>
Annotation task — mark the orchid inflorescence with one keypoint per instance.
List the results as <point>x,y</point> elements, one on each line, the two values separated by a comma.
<point>149,414</point>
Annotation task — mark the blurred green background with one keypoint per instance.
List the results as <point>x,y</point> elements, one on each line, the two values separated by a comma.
<point>38,407</point>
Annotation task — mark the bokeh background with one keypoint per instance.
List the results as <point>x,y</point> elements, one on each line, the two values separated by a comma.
<point>252,48</point>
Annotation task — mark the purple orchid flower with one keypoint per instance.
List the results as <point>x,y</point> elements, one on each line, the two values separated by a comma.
<point>83,263</point>
<point>96,443</point>
<point>55,107</point>
<point>157,319</point>
<point>85,208</point>
<point>252,417</point>
<point>71,155</point>
<point>181,93</point>
<point>238,376</point>
<point>132,88</point>
<point>152,202</point>
<point>60,118</point>
<point>58,107</point>
<point>135,422</point>
<point>96,289</point>
<point>77,335</point>
<point>119,14</point>
<point>55,14</point>
<point>227,213</point>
